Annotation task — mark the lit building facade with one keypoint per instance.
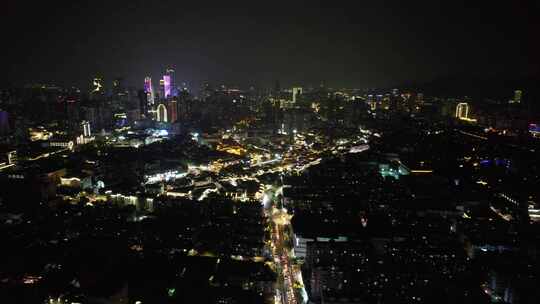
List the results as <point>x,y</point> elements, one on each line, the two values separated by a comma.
<point>162,113</point>
<point>149,90</point>
<point>87,132</point>
<point>172,111</point>
<point>296,92</point>
<point>172,84</point>
<point>97,85</point>
<point>97,90</point>
<point>167,87</point>
<point>462,110</point>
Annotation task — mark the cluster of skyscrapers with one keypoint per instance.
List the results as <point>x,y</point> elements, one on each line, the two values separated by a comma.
<point>161,105</point>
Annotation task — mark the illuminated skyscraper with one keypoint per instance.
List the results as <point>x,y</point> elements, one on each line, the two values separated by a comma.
<point>162,88</point>
<point>97,85</point>
<point>462,110</point>
<point>86,128</point>
<point>162,113</point>
<point>172,111</point>
<point>295,93</point>
<point>97,90</point>
<point>167,86</point>
<point>147,84</point>
<point>172,81</point>
<point>149,90</point>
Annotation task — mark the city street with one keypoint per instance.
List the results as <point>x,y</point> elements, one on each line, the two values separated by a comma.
<point>288,274</point>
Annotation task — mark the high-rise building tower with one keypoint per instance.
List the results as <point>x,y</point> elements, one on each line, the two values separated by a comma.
<point>296,92</point>
<point>97,89</point>
<point>162,113</point>
<point>462,110</point>
<point>149,90</point>
<point>97,85</point>
<point>172,111</point>
<point>143,102</point>
<point>161,92</point>
<point>86,128</point>
<point>167,88</point>
<point>147,84</point>
<point>172,81</point>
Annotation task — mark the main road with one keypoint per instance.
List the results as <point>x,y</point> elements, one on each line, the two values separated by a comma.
<point>289,275</point>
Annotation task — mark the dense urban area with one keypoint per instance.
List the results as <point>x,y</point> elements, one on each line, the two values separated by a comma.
<point>164,193</point>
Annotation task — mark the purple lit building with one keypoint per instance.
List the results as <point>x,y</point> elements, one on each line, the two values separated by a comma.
<point>170,73</point>
<point>4,122</point>
<point>167,85</point>
<point>147,85</point>
<point>149,90</point>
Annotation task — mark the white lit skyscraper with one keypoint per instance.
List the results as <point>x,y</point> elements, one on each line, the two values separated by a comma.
<point>86,129</point>
<point>97,85</point>
<point>97,89</point>
<point>295,93</point>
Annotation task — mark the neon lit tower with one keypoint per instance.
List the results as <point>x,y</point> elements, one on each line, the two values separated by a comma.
<point>170,72</point>
<point>167,85</point>
<point>462,110</point>
<point>149,90</point>
<point>161,113</point>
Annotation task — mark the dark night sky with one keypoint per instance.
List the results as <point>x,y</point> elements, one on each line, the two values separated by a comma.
<point>257,42</point>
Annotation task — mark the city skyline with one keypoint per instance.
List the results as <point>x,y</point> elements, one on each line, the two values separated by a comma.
<point>269,153</point>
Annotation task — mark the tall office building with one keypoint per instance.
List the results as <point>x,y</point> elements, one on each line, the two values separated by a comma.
<point>162,88</point>
<point>296,92</point>
<point>86,128</point>
<point>97,85</point>
<point>162,113</point>
<point>97,89</point>
<point>147,84</point>
<point>149,90</point>
<point>167,87</point>
<point>172,81</point>
<point>172,111</point>
<point>143,102</point>
<point>462,110</point>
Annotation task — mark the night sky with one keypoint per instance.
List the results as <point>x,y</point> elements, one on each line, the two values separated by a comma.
<point>379,43</point>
